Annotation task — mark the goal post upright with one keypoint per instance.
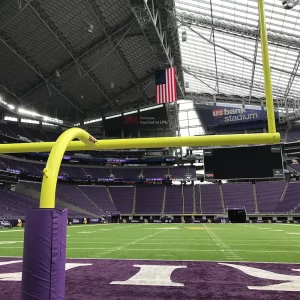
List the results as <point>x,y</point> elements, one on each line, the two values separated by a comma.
<point>266,67</point>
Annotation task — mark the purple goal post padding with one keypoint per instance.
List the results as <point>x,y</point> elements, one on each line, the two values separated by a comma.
<point>44,255</point>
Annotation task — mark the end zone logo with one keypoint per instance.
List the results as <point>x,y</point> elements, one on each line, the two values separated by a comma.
<point>234,114</point>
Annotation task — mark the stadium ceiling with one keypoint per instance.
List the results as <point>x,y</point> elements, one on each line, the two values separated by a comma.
<point>85,58</point>
<point>222,55</point>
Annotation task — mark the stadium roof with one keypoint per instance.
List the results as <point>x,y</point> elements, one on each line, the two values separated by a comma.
<point>222,53</point>
<point>83,58</point>
<point>90,58</point>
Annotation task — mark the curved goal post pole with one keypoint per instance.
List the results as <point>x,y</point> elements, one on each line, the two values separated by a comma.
<point>44,256</point>
<point>50,173</point>
<point>266,67</point>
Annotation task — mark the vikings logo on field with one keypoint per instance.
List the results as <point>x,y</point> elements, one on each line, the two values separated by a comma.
<point>129,279</point>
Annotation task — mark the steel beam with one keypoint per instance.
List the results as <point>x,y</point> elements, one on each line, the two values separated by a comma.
<point>17,14</point>
<point>239,55</point>
<point>230,79</point>
<point>214,44</point>
<point>149,19</point>
<point>253,68</point>
<point>172,113</point>
<point>142,83</point>
<point>204,98</point>
<point>239,29</point>
<point>98,13</point>
<point>290,83</point>
<point>67,46</point>
<point>115,33</point>
<point>11,91</point>
<point>37,69</point>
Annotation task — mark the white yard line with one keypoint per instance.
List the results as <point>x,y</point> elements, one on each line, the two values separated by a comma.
<point>12,230</point>
<point>87,226</point>
<point>228,252</point>
<point>111,250</point>
<point>139,240</point>
<point>202,250</point>
<point>127,244</point>
<point>228,244</point>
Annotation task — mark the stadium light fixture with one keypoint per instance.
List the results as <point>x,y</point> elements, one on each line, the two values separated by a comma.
<point>28,112</point>
<point>289,4</point>
<point>55,120</point>
<point>92,121</point>
<point>49,124</point>
<point>151,107</point>
<point>130,112</point>
<point>9,118</point>
<point>91,28</point>
<point>29,121</point>
<point>113,116</point>
<point>10,106</point>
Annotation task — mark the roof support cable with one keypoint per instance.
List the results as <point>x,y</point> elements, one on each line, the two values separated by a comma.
<point>290,83</point>
<point>253,67</point>
<point>214,44</point>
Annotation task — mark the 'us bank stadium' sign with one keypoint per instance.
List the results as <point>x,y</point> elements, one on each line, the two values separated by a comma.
<point>216,115</point>
<point>230,115</point>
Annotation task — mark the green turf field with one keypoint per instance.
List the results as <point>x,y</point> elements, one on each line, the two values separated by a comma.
<point>220,242</point>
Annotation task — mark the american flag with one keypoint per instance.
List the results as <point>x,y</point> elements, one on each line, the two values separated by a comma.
<point>165,82</point>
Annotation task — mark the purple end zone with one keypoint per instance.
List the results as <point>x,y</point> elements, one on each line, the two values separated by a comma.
<point>43,275</point>
<point>88,279</point>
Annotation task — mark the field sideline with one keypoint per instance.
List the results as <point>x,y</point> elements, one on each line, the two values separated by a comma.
<point>200,242</point>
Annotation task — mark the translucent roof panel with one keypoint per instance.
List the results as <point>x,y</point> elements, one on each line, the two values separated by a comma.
<point>222,52</point>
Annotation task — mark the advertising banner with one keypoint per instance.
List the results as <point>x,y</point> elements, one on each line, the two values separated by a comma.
<point>5,223</point>
<point>229,115</point>
<point>146,119</point>
<point>233,117</point>
<point>92,221</point>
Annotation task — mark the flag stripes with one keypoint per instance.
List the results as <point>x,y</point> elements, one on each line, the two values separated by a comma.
<point>165,81</point>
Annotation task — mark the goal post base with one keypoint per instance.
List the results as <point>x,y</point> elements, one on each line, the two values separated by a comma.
<point>44,255</point>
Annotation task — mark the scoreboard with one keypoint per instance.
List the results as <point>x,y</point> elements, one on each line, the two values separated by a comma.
<point>254,162</point>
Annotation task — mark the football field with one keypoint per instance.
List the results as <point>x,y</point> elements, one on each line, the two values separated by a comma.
<point>212,242</point>
<point>169,261</point>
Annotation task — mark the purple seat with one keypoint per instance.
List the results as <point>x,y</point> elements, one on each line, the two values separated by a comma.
<point>211,198</point>
<point>291,198</point>
<point>268,194</point>
<point>149,199</point>
<point>188,192</point>
<point>239,195</point>
<point>174,203</point>
<point>123,198</point>
<point>99,195</point>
